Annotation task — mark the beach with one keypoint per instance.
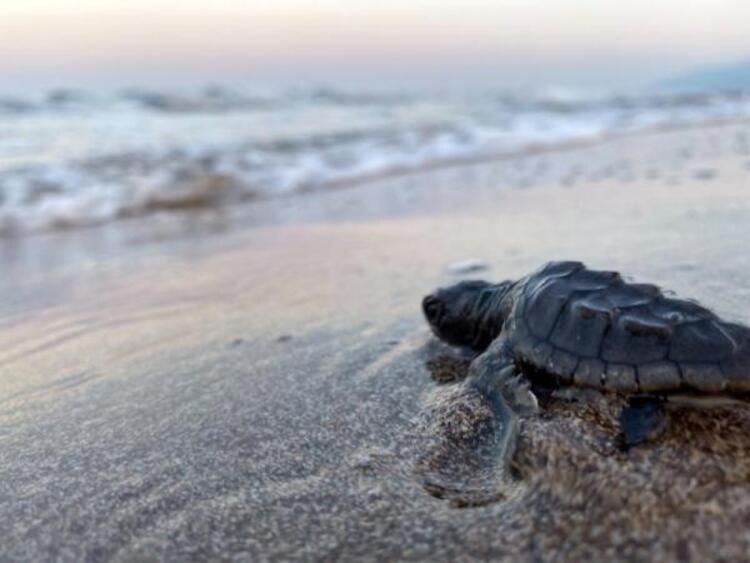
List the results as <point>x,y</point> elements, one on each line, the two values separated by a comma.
<point>244,383</point>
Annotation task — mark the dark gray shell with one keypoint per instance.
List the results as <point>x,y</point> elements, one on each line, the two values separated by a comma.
<point>593,329</point>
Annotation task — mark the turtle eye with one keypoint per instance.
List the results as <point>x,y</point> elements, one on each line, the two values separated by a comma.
<point>433,309</point>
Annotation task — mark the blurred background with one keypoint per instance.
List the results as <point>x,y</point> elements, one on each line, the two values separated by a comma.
<point>112,109</point>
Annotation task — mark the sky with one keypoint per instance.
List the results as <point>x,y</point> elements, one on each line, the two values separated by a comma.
<point>504,42</point>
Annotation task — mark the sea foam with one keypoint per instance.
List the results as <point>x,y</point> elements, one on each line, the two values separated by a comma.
<point>74,158</point>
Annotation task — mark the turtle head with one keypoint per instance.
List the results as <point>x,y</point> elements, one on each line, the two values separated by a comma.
<point>469,313</point>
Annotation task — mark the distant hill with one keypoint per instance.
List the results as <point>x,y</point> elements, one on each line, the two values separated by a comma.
<point>725,77</point>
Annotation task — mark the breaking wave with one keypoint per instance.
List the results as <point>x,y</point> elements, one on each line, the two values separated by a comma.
<point>74,158</point>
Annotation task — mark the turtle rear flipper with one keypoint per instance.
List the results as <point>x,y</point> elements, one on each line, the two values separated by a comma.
<point>644,419</point>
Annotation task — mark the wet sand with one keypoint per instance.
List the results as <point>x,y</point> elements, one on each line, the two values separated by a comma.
<point>246,384</point>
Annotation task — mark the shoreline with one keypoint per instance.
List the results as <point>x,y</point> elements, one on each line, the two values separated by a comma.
<point>532,150</point>
<point>207,205</point>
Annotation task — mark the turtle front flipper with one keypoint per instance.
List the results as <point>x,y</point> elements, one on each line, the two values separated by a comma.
<point>489,373</point>
<point>470,433</point>
<point>644,419</point>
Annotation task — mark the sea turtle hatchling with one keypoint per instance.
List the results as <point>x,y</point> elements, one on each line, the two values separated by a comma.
<point>593,329</point>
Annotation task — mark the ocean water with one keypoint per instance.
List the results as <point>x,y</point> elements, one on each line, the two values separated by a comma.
<point>74,157</point>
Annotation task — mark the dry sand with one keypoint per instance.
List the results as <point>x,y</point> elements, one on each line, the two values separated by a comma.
<point>245,385</point>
